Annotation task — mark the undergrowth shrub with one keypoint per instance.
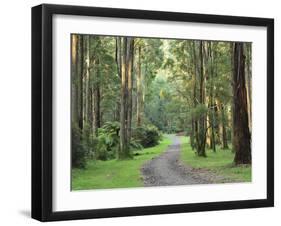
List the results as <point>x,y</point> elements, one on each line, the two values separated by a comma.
<point>147,135</point>
<point>108,141</point>
<point>85,145</point>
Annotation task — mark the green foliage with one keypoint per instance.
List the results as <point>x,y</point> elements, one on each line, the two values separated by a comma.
<point>199,111</point>
<point>147,135</point>
<point>108,140</point>
<point>135,145</point>
<point>157,99</point>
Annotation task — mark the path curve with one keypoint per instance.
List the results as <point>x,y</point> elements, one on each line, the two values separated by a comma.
<point>166,169</point>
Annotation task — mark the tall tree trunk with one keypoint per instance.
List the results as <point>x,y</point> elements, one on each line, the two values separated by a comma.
<point>87,112</point>
<point>97,99</point>
<point>122,42</point>
<point>213,123</point>
<point>194,120</point>
<point>212,56</point>
<point>242,137</point>
<point>208,133</point>
<point>223,124</point>
<point>216,125</point>
<point>192,135</point>
<point>139,89</point>
<point>248,49</point>
<point>231,51</point>
<point>202,121</point>
<point>126,49</point>
<point>80,71</point>
<point>74,78</point>
<point>192,132</point>
<point>118,65</point>
<point>129,69</point>
<point>91,108</point>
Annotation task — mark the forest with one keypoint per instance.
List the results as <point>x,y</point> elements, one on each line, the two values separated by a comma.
<point>133,98</point>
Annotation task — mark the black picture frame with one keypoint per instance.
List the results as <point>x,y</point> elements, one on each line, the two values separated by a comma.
<point>42,108</point>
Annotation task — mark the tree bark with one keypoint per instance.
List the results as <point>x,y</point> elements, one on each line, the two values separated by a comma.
<point>129,64</point>
<point>80,80</point>
<point>212,55</point>
<point>231,50</point>
<point>217,132</point>
<point>242,137</point>
<point>223,124</point>
<point>118,66</point>
<point>194,120</point>
<point>202,120</point>
<point>97,99</point>
<point>248,50</point>
<point>192,135</point>
<point>213,122</point>
<point>123,141</point>
<point>74,78</point>
<point>87,112</point>
<point>126,49</point>
<point>139,89</point>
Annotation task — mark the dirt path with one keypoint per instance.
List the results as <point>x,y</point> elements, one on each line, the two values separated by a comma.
<point>166,169</point>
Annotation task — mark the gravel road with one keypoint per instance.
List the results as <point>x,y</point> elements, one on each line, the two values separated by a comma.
<point>166,169</point>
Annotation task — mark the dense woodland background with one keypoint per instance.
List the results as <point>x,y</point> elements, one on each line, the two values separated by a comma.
<point>127,91</point>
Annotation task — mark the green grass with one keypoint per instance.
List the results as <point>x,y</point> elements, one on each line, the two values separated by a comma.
<point>220,162</point>
<point>116,173</point>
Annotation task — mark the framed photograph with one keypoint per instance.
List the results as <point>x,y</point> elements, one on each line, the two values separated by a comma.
<point>145,112</point>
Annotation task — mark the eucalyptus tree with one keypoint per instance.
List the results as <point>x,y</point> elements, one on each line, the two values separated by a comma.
<point>125,52</point>
<point>242,136</point>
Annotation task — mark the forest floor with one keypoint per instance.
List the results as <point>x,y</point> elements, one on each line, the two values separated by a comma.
<point>172,162</point>
<point>115,173</point>
<point>219,163</point>
<point>180,166</point>
<point>167,169</point>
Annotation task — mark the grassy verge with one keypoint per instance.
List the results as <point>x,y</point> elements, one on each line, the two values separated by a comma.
<point>220,162</point>
<point>114,173</point>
